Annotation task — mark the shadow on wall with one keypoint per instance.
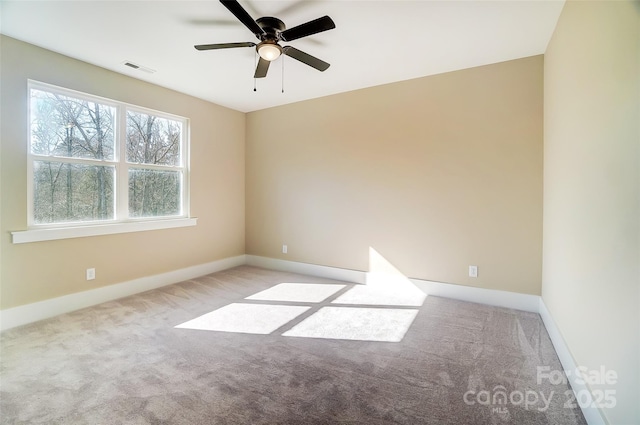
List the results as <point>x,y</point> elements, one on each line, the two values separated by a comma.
<point>381,310</point>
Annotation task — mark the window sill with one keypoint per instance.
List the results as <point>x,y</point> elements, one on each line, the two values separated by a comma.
<point>39,235</point>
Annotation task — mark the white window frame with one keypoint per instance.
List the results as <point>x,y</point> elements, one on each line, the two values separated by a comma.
<point>121,223</point>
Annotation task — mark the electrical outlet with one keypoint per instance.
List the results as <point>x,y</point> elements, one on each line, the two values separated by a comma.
<point>91,274</point>
<point>473,271</point>
<point>284,249</point>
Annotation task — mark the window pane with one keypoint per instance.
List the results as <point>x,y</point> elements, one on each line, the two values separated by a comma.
<point>154,193</point>
<point>68,127</point>
<point>72,192</point>
<point>153,140</point>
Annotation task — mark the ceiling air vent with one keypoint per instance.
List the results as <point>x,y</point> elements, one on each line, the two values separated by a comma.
<point>138,67</point>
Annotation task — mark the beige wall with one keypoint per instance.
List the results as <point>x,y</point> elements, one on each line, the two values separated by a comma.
<point>591,272</point>
<point>436,174</point>
<point>38,271</point>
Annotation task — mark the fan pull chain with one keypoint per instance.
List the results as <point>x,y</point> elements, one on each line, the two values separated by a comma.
<point>283,74</point>
<point>255,64</point>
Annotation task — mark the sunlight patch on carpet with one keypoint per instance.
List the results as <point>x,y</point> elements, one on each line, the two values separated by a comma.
<point>245,318</point>
<point>355,323</point>
<point>385,285</point>
<point>388,295</point>
<point>297,292</point>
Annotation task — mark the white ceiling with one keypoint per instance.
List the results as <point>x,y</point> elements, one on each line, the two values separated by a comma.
<point>375,42</point>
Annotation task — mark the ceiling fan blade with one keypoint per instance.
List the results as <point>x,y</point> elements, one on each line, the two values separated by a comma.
<point>305,58</point>
<point>243,16</point>
<point>262,68</point>
<point>312,27</point>
<point>251,8</point>
<point>223,46</point>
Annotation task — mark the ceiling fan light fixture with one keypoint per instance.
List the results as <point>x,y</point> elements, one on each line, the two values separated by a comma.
<point>269,51</point>
<point>270,30</point>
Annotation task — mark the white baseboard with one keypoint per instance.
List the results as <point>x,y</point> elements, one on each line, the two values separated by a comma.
<point>464,293</point>
<point>22,315</point>
<point>493,297</point>
<point>29,313</point>
<point>526,302</point>
<point>355,276</point>
<point>593,415</point>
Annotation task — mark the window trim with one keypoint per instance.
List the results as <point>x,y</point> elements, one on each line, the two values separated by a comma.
<point>55,233</point>
<point>122,222</point>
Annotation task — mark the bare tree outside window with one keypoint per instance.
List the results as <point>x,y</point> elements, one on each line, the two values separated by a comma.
<point>153,193</point>
<point>153,141</point>
<point>62,129</point>
<point>85,169</point>
<point>87,202</point>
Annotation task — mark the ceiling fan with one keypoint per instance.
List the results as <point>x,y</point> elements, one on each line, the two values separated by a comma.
<point>270,31</point>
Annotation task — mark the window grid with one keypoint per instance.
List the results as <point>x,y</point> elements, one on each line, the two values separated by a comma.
<point>119,162</point>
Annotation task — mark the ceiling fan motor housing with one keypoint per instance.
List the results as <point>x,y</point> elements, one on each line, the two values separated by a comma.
<point>272,28</point>
<point>270,31</point>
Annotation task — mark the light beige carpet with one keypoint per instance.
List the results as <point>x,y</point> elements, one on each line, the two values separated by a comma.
<point>252,346</point>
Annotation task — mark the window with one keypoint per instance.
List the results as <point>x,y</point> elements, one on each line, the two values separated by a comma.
<point>98,161</point>
<point>155,181</point>
<point>73,158</point>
